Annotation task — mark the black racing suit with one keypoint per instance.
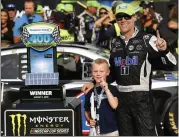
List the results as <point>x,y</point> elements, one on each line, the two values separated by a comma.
<point>131,69</point>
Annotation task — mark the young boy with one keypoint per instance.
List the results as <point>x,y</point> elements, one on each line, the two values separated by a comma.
<point>105,101</point>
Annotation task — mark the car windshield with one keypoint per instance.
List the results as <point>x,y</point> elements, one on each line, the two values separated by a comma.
<point>101,51</point>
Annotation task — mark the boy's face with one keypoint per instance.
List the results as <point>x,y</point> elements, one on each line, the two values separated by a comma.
<point>100,71</point>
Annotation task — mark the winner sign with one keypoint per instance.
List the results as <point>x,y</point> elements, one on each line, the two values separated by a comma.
<point>41,34</point>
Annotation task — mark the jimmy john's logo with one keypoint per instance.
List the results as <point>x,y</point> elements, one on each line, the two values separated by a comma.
<point>18,122</point>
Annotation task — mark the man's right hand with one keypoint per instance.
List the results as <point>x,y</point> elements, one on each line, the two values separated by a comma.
<point>87,87</point>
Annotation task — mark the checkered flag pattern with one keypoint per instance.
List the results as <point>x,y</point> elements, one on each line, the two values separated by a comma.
<point>56,35</point>
<point>25,35</point>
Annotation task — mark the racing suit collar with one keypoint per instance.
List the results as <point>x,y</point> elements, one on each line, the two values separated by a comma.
<point>136,30</point>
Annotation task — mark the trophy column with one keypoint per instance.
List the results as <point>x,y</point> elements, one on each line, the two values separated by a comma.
<point>43,109</point>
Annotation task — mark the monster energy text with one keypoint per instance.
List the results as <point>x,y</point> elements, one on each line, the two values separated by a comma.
<point>19,121</point>
<point>48,119</point>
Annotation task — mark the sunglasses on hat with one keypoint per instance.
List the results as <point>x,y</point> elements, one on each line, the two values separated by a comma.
<point>119,17</point>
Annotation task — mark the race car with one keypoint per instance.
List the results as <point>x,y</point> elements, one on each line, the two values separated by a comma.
<point>74,67</point>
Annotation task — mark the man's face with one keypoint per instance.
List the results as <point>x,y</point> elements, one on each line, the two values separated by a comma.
<point>93,10</point>
<point>29,8</point>
<point>100,71</point>
<point>125,22</point>
<point>12,14</point>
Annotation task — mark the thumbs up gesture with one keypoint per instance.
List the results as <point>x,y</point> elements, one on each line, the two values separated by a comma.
<point>160,43</point>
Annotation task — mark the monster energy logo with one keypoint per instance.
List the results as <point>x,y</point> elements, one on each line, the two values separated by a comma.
<point>19,117</point>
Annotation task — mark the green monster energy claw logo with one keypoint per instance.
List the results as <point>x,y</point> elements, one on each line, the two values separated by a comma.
<point>19,117</point>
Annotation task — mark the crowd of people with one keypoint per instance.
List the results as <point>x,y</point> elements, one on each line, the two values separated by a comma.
<point>136,39</point>
<point>128,108</point>
<point>96,25</point>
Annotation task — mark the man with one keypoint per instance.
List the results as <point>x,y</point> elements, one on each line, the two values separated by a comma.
<point>12,11</point>
<point>61,20</point>
<point>27,18</point>
<point>72,21</point>
<point>87,20</point>
<point>59,8</point>
<point>130,60</point>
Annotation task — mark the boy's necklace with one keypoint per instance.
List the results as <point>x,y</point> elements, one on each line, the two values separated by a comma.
<point>98,97</point>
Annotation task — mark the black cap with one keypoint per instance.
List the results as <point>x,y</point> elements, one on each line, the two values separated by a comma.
<point>171,5</point>
<point>11,7</point>
<point>59,16</point>
<point>147,4</point>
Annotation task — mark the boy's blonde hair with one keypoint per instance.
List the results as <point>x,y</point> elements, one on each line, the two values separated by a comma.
<point>100,61</point>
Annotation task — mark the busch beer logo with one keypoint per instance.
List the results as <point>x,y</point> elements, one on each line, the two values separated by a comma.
<point>16,120</point>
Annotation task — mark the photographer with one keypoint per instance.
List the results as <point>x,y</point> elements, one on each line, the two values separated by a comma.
<point>27,18</point>
<point>72,22</point>
<point>61,20</point>
<point>87,20</point>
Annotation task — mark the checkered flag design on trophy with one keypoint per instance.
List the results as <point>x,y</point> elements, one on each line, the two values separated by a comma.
<point>56,36</point>
<point>25,35</point>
